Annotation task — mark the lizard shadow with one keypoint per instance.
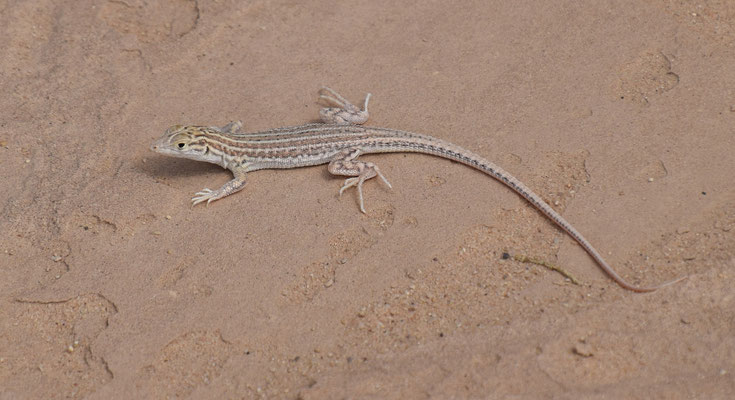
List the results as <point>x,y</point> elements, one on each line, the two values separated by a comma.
<point>158,166</point>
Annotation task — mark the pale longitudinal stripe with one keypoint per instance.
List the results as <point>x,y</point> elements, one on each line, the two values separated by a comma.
<point>338,142</point>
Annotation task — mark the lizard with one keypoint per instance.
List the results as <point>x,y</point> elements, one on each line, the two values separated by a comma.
<point>338,140</point>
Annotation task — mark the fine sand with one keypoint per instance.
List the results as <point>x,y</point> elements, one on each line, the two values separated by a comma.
<point>620,115</point>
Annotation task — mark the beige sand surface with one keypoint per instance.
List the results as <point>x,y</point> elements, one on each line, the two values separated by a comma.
<point>619,113</point>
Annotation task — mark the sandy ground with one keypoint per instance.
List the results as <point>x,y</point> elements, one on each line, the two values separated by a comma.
<point>620,114</point>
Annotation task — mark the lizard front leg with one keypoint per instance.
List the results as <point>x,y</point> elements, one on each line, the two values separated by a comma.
<point>232,127</point>
<point>233,186</point>
<point>345,113</point>
<point>344,164</point>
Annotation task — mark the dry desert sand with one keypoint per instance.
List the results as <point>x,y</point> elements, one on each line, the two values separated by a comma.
<point>619,114</point>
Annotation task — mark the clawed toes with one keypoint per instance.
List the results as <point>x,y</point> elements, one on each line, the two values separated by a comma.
<point>385,180</point>
<point>201,196</point>
<point>348,184</point>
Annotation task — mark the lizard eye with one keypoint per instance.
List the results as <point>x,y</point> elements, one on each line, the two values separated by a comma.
<point>181,145</point>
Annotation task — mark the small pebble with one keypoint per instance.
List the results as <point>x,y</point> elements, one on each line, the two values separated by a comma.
<point>583,349</point>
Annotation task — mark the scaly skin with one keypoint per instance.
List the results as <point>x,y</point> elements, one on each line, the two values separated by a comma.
<point>338,141</point>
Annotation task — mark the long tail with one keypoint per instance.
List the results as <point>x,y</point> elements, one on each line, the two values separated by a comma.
<point>448,150</point>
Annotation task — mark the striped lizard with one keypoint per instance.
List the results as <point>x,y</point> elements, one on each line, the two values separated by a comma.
<point>338,141</point>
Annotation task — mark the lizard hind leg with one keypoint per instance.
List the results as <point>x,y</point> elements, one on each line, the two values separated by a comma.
<point>345,113</point>
<point>344,164</point>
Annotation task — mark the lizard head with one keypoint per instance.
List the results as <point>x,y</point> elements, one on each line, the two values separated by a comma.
<point>185,142</point>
